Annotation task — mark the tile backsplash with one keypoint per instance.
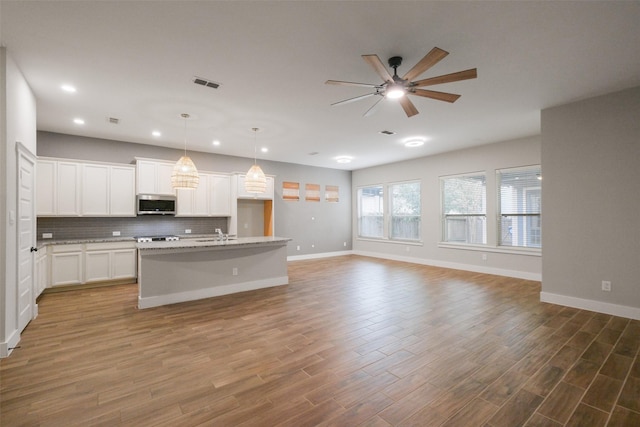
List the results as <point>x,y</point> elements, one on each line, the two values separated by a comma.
<point>63,228</point>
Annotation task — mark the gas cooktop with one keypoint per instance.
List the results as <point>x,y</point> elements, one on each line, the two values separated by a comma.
<point>146,239</point>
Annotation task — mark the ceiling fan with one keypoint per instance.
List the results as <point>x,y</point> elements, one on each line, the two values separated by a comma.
<point>398,87</point>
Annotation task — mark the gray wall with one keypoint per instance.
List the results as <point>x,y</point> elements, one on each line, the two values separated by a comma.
<point>328,232</point>
<point>591,197</point>
<point>487,158</point>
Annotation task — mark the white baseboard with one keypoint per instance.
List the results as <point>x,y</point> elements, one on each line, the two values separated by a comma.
<point>591,305</point>
<point>456,266</point>
<point>6,347</point>
<point>320,255</point>
<point>216,291</point>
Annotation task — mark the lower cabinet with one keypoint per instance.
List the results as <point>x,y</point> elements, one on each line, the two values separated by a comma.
<point>42,271</point>
<point>92,262</point>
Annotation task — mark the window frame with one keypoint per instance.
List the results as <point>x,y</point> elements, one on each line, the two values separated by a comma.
<point>444,236</point>
<point>387,215</point>
<point>499,209</point>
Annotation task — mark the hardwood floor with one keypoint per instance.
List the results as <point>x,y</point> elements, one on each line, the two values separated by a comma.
<point>351,341</point>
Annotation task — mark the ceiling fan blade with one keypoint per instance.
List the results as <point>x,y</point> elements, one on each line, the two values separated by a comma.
<point>408,106</point>
<point>430,59</point>
<point>378,66</point>
<point>447,78</point>
<point>341,83</point>
<point>440,96</point>
<point>373,108</point>
<point>346,101</point>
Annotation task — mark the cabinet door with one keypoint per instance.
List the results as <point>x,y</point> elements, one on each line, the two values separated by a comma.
<point>42,271</point>
<point>97,266</point>
<point>220,195</point>
<point>95,190</point>
<point>201,196</point>
<point>46,187</point>
<point>123,264</point>
<point>145,177</point>
<point>122,191</point>
<point>68,189</point>
<point>66,268</point>
<point>184,202</point>
<point>163,178</point>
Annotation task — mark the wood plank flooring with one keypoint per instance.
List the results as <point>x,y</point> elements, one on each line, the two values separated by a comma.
<point>352,341</point>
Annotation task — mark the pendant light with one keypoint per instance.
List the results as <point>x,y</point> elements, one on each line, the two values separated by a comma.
<point>185,175</point>
<point>255,181</point>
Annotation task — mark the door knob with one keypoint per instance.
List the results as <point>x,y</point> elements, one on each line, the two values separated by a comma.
<point>34,249</point>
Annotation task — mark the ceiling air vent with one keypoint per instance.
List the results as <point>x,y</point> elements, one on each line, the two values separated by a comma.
<point>113,120</point>
<point>204,82</point>
<point>387,132</point>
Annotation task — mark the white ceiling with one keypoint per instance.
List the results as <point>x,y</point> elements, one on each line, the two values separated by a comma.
<point>135,61</point>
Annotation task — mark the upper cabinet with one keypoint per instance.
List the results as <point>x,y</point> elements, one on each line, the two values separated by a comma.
<point>242,194</point>
<point>154,177</point>
<point>67,188</point>
<point>211,198</point>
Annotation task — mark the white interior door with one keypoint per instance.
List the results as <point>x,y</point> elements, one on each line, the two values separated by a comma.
<point>26,236</point>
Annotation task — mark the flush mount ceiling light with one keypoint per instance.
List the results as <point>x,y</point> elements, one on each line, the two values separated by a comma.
<point>414,142</point>
<point>185,175</point>
<point>255,182</point>
<point>68,88</point>
<point>344,159</point>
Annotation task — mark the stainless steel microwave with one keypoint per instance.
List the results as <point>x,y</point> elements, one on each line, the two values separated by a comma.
<point>153,204</point>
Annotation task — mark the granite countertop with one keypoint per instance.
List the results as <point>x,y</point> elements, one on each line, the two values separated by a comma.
<point>47,242</point>
<point>212,241</point>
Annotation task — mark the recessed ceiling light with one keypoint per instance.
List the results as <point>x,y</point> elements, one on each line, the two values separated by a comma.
<point>78,121</point>
<point>344,159</point>
<point>68,88</point>
<point>264,149</point>
<point>156,133</point>
<point>216,142</point>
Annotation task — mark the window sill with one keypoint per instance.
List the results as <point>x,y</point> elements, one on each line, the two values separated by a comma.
<point>493,249</point>
<point>394,241</point>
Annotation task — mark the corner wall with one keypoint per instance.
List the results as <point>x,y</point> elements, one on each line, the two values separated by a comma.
<point>591,202</point>
<point>428,170</point>
<point>18,115</point>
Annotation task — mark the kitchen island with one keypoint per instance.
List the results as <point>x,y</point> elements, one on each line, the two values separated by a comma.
<point>191,269</point>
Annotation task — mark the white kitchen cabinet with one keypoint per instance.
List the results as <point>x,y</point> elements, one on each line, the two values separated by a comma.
<point>122,190</point>
<point>220,192</point>
<point>153,177</point>
<point>42,270</point>
<point>66,265</point>
<point>68,188</point>
<point>109,261</point>
<point>267,195</point>
<point>211,198</point>
<point>95,190</point>
<point>46,187</point>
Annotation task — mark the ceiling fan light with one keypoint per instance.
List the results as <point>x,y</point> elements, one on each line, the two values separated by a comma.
<point>394,91</point>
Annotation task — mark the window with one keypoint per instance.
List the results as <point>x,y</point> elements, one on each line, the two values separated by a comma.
<point>520,207</point>
<point>405,211</point>
<point>371,212</point>
<point>390,211</point>
<point>464,215</point>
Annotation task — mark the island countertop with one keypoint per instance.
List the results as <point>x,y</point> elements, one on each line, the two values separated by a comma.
<point>211,243</point>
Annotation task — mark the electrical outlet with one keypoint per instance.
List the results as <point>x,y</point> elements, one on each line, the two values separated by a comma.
<point>47,235</point>
<point>313,246</point>
<point>235,271</point>
<point>187,231</point>
<point>606,286</point>
<point>298,248</point>
<point>484,257</point>
<point>408,249</point>
<point>116,233</point>
<point>344,244</point>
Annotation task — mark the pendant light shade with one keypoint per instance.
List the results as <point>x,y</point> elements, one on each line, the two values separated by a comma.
<point>185,174</point>
<point>255,182</point>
